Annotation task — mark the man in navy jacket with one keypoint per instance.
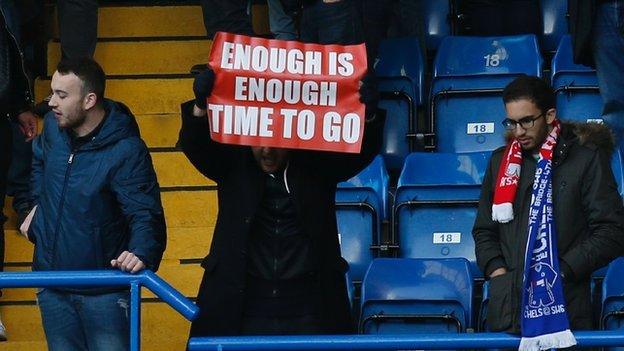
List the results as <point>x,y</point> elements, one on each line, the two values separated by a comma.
<point>97,206</point>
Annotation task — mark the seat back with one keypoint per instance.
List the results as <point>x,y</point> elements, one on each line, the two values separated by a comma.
<point>612,317</point>
<point>555,23</point>
<point>435,207</point>
<point>436,17</point>
<point>361,206</point>
<point>400,72</point>
<point>416,295</point>
<point>470,73</point>
<point>576,86</point>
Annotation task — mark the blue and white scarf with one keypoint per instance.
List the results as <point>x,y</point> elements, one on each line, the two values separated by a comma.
<point>544,321</point>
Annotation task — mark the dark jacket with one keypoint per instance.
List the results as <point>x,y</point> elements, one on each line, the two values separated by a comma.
<point>96,201</point>
<point>17,96</point>
<point>589,219</point>
<point>312,178</point>
<point>581,23</point>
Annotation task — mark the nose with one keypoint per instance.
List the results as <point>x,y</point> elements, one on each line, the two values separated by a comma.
<point>52,102</point>
<point>519,131</point>
<point>267,151</point>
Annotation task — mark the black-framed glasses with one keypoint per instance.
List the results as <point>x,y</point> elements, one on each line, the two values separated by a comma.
<point>526,123</point>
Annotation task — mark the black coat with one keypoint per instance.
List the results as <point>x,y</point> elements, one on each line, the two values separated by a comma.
<point>581,23</point>
<point>589,219</point>
<point>312,178</point>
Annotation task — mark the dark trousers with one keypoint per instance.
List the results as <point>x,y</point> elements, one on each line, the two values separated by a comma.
<point>291,325</point>
<point>226,16</point>
<point>78,20</point>
<point>18,178</point>
<point>499,17</point>
<point>5,160</point>
<point>331,23</point>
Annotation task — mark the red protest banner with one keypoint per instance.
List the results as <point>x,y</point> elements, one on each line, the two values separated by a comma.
<point>286,94</point>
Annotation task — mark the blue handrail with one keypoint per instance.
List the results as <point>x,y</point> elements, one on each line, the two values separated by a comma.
<point>388,342</point>
<point>146,278</point>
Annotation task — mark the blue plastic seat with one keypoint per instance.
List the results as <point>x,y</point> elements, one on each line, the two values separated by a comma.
<point>612,315</point>
<point>555,23</point>
<point>361,206</point>
<point>437,25</point>
<point>435,207</point>
<point>469,75</point>
<point>400,72</point>
<point>402,296</point>
<point>578,97</point>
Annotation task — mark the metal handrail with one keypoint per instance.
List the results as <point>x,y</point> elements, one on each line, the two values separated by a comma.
<point>146,278</point>
<point>389,342</point>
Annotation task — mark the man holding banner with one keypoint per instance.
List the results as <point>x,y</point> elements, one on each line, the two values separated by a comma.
<point>260,127</point>
<point>549,216</point>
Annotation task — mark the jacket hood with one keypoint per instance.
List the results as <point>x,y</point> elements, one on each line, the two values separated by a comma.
<point>597,135</point>
<point>119,124</point>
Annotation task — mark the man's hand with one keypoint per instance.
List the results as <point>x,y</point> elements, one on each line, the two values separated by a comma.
<point>497,272</point>
<point>28,124</point>
<point>128,262</point>
<point>27,221</point>
<point>202,87</point>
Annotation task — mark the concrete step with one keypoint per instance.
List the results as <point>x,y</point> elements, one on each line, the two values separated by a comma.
<point>23,345</point>
<point>174,169</point>
<point>160,130</point>
<point>183,209</point>
<point>183,277</point>
<point>182,243</point>
<point>162,328</point>
<point>142,57</point>
<point>161,21</point>
<point>144,96</point>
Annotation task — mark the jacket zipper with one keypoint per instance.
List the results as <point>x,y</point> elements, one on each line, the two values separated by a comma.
<point>19,50</point>
<point>70,161</point>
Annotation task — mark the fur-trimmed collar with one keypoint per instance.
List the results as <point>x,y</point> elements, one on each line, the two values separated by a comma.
<point>588,134</point>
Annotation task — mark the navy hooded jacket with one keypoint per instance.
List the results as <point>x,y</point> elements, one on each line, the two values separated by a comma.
<point>96,201</point>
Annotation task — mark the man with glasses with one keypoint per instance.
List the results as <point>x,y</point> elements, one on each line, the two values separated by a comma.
<point>549,215</point>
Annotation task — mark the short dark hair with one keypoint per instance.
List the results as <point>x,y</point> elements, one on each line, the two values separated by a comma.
<point>90,73</point>
<point>530,88</point>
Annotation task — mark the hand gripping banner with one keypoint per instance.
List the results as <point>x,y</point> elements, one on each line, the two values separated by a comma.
<point>286,94</point>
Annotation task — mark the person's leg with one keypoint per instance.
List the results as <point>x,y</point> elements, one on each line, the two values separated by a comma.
<point>105,319</point>
<point>522,17</point>
<point>282,24</point>
<point>5,158</point>
<point>78,21</point>
<point>376,15</point>
<point>332,23</point>
<point>608,46</point>
<point>226,16</point>
<point>61,322</point>
<point>18,178</point>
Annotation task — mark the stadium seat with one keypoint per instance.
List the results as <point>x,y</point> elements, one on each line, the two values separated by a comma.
<point>361,206</point>
<point>612,316</point>
<point>400,70</point>
<point>436,17</point>
<point>435,207</point>
<point>555,23</point>
<point>578,97</point>
<point>468,79</point>
<point>401,296</point>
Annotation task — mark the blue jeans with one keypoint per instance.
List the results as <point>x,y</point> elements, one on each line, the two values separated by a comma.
<point>282,24</point>
<point>608,52</point>
<point>331,23</point>
<point>85,322</point>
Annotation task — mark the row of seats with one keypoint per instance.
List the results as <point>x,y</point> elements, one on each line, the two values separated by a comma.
<point>440,18</point>
<point>401,296</point>
<point>432,212</point>
<point>464,105</point>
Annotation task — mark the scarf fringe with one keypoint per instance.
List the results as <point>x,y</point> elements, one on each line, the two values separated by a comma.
<point>558,340</point>
<point>502,213</point>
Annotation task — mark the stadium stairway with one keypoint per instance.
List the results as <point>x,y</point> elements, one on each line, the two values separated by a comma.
<point>146,49</point>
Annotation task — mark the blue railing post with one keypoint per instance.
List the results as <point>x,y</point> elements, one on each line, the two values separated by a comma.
<point>135,316</point>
